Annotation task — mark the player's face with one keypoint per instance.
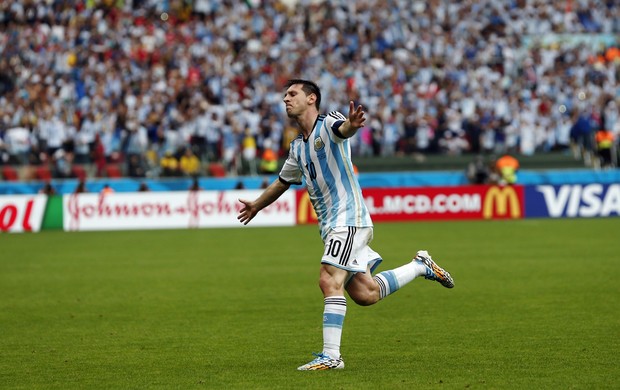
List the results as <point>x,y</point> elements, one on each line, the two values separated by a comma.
<point>296,101</point>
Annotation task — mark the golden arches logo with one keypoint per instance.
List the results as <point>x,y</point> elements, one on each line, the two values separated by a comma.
<point>504,198</point>
<point>305,211</point>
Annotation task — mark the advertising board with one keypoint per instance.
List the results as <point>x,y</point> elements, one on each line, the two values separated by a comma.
<point>572,200</point>
<point>21,213</point>
<point>432,203</point>
<point>169,210</point>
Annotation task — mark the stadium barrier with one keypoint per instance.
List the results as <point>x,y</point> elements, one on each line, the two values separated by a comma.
<point>207,209</point>
<point>366,179</point>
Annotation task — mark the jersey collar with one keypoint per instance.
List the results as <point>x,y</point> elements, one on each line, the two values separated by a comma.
<point>313,127</point>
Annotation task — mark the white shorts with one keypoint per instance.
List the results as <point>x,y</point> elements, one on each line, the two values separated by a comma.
<point>347,248</point>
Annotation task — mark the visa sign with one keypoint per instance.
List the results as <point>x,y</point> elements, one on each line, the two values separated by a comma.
<point>576,200</point>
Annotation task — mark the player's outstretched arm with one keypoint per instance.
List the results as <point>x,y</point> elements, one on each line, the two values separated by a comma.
<point>251,208</point>
<point>355,120</point>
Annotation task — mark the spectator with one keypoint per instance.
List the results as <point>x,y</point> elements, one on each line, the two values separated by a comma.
<point>81,187</point>
<point>195,184</point>
<point>478,171</point>
<point>269,159</point>
<point>53,131</point>
<point>107,190</point>
<point>189,163</point>
<point>135,147</point>
<point>47,189</point>
<point>136,166</point>
<point>249,151</point>
<point>604,147</point>
<point>213,136</point>
<point>85,138</point>
<point>581,138</point>
<point>99,156</point>
<point>62,164</point>
<point>507,167</point>
<point>230,145</point>
<point>17,141</point>
<point>391,134</point>
<point>169,165</point>
<point>453,144</point>
<point>4,155</point>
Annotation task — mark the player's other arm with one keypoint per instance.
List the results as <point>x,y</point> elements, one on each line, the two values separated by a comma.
<point>271,193</point>
<point>355,120</point>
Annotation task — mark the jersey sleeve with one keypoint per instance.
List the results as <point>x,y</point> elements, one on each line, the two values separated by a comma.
<point>333,121</point>
<point>290,172</point>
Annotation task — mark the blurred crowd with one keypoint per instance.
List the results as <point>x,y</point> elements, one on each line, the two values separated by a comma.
<point>167,88</point>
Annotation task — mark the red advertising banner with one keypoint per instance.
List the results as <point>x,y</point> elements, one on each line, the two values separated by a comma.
<point>432,203</point>
<point>21,213</point>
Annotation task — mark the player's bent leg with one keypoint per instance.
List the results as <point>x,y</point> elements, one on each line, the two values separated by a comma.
<point>363,289</point>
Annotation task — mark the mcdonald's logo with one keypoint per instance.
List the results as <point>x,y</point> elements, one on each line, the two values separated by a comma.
<point>305,210</point>
<point>498,201</point>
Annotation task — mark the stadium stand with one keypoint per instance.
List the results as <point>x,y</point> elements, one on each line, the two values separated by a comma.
<point>105,80</point>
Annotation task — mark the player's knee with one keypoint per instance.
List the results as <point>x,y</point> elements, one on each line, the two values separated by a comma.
<point>329,285</point>
<point>365,298</point>
<point>364,295</point>
<point>364,290</point>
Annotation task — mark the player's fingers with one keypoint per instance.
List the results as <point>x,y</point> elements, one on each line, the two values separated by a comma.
<point>247,218</point>
<point>360,112</point>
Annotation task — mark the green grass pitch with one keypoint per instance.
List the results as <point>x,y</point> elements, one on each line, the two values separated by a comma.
<point>536,305</point>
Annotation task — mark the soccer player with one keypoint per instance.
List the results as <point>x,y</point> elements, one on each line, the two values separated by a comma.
<point>322,156</point>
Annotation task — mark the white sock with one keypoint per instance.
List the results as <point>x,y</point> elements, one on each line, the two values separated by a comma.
<point>390,281</point>
<point>333,318</point>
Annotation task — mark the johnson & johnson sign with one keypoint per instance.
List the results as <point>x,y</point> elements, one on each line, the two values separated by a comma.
<point>169,210</point>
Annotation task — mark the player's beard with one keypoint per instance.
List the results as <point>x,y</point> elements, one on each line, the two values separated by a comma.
<point>291,114</point>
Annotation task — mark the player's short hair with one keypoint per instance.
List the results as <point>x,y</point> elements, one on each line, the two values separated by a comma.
<point>308,87</point>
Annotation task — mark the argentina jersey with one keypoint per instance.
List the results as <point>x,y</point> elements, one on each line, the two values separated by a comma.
<point>324,162</point>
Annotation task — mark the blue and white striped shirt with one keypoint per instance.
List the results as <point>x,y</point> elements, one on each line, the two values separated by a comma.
<point>324,162</point>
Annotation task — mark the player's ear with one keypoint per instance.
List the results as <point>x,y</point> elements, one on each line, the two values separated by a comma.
<point>311,99</point>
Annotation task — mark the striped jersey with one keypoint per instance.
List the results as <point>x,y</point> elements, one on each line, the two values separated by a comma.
<point>324,162</point>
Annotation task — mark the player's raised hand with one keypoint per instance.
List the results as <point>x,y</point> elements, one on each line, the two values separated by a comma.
<point>248,211</point>
<point>356,115</point>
